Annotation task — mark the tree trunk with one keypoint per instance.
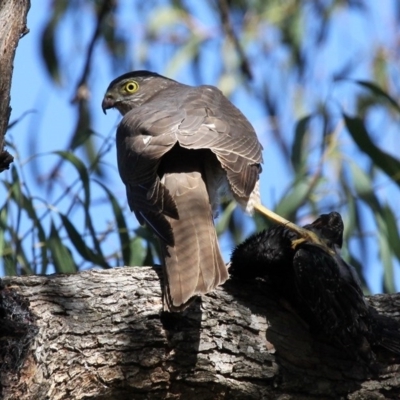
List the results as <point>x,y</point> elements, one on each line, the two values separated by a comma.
<point>102,335</point>
<point>13,15</point>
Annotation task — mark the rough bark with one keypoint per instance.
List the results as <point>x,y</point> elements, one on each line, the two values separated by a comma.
<point>13,15</point>
<point>102,335</point>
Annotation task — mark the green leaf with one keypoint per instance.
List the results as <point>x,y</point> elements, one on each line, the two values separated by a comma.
<point>393,236</point>
<point>25,202</point>
<point>385,222</point>
<point>61,255</point>
<point>84,176</point>
<point>49,52</point>
<point>385,248</point>
<point>293,200</point>
<point>82,132</point>
<point>48,40</point>
<point>354,225</point>
<point>82,171</point>
<point>386,162</point>
<point>19,256</point>
<point>184,55</point>
<point>152,244</point>
<point>3,226</point>
<point>299,156</point>
<point>83,136</point>
<point>164,17</point>
<point>138,252</point>
<point>363,186</point>
<point>79,244</point>
<point>296,197</point>
<point>386,258</point>
<point>10,267</point>
<point>225,217</point>
<point>149,258</point>
<point>42,244</point>
<point>125,241</point>
<point>7,250</point>
<point>379,92</point>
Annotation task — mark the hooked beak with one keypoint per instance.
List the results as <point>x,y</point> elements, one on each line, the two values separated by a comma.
<point>107,103</point>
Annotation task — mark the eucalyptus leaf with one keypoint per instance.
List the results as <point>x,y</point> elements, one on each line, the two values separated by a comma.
<point>123,233</point>
<point>379,92</point>
<point>138,252</point>
<point>386,162</point>
<point>60,254</point>
<point>299,152</point>
<point>80,246</point>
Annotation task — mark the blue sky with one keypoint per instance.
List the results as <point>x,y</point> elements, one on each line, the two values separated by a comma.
<point>49,126</point>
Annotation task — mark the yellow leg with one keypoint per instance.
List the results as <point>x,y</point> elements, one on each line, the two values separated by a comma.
<point>305,234</point>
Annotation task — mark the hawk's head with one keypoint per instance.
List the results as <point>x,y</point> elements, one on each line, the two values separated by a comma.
<point>132,90</point>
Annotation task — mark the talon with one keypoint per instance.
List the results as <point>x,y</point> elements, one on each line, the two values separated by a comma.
<point>297,242</point>
<point>305,234</point>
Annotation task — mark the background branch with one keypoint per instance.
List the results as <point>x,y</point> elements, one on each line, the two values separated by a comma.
<point>82,91</point>
<point>230,33</point>
<point>13,26</point>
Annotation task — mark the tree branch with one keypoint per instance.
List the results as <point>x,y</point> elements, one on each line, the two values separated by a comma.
<point>102,335</point>
<point>13,15</point>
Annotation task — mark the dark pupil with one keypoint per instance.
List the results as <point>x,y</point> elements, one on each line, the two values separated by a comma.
<point>131,86</point>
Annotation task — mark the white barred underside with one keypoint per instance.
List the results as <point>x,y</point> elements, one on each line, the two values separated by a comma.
<point>254,199</point>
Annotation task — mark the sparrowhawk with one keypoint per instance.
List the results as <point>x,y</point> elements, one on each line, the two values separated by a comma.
<point>177,147</point>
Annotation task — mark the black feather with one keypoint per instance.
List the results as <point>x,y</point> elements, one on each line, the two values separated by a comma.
<point>320,286</point>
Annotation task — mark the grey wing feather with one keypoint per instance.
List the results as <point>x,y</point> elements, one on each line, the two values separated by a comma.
<point>213,122</point>
<point>139,152</point>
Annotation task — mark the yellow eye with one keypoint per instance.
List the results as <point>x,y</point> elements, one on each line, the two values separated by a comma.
<point>130,87</point>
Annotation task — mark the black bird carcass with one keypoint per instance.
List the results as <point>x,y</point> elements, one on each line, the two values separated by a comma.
<point>320,287</point>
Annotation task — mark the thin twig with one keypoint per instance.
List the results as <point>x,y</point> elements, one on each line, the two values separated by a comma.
<point>227,26</point>
<point>81,92</point>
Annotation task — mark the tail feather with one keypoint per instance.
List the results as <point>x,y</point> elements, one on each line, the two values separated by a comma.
<point>194,265</point>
